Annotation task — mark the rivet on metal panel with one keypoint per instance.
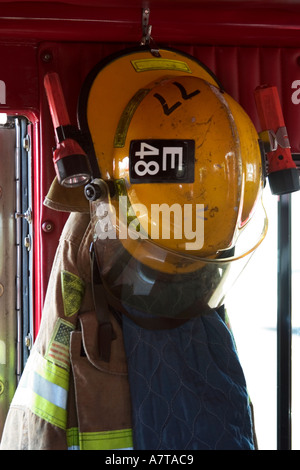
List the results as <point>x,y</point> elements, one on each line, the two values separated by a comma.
<point>1,289</point>
<point>46,56</point>
<point>47,226</point>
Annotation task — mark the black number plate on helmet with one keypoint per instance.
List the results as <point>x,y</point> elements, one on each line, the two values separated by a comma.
<point>162,161</point>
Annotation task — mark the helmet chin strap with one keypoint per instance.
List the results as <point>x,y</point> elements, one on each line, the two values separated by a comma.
<point>106,333</point>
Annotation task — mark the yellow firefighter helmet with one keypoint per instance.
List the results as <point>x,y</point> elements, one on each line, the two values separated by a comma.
<point>187,172</point>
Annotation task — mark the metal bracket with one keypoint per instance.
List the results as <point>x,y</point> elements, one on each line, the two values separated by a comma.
<point>146,28</point>
<point>147,39</point>
<point>27,215</point>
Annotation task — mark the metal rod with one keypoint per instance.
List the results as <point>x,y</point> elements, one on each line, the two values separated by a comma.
<point>19,251</point>
<point>284,325</point>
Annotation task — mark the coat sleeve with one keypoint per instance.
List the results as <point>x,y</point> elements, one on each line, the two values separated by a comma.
<point>38,417</point>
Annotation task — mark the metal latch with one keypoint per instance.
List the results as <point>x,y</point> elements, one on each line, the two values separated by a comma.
<point>26,143</point>
<point>27,215</point>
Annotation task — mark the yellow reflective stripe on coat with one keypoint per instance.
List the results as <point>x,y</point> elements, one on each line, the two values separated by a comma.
<point>73,439</point>
<point>43,389</point>
<point>105,440</point>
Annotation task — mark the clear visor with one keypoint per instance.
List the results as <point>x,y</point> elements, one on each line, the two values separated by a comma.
<point>146,278</point>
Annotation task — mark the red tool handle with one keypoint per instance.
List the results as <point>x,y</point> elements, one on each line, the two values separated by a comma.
<point>70,160</point>
<point>56,100</point>
<point>271,119</point>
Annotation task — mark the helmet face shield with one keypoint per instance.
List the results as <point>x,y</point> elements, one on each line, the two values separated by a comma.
<point>186,169</point>
<point>146,277</point>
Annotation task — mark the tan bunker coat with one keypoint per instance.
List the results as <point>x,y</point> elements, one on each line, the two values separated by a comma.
<point>68,398</point>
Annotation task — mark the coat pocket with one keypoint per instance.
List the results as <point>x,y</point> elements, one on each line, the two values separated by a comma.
<point>101,389</point>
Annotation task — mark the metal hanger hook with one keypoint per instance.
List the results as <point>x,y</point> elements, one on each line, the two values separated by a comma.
<point>146,28</point>
<point>147,39</point>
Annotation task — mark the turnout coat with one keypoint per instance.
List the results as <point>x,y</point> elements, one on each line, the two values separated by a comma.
<point>68,398</point>
<point>178,388</point>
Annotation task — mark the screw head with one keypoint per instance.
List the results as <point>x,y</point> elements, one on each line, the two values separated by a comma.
<point>47,226</point>
<point>46,56</point>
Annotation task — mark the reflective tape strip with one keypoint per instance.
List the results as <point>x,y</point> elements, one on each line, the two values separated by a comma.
<point>122,128</point>
<point>144,65</point>
<point>106,440</point>
<point>49,391</point>
<point>43,389</point>
<point>53,373</point>
<point>48,411</point>
<point>73,439</point>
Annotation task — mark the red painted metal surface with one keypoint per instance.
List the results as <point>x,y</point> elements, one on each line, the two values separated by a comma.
<point>185,22</point>
<point>246,44</point>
